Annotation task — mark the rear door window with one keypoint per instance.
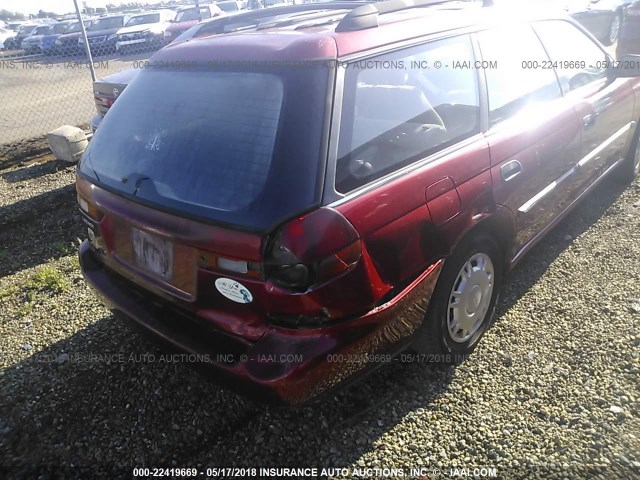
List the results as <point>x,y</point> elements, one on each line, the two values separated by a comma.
<point>520,75</point>
<point>579,61</point>
<point>403,106</point>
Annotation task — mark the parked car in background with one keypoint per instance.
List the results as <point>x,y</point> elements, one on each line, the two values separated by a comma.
<point>47,42</point>
<point>258,4</point>
<point>187,17</point>
<point>144,31</point>
<point>629,41</point>
<point>603,18</point>
<point>14,26</point>
<point>32,43</point>
<point>193,32</point>
<point>102,34</point>
<point>67,43</point>
<point>23,32</point>
<point>232,6</point>
<point>420,187</point>
<point>249,19</point>
<point>107,90</point>
<point>5,34</point>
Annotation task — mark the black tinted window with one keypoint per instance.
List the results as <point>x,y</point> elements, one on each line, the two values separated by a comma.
<point>520,75</point>
<point>579,60</point>
<point>107,23</point>
<point>72,27</point>
<point>190,14</point>
<point>143,19</point>
<point>403,106</point>
<point>228,6</point>
<point>235,146</point>
<point>58,28</point>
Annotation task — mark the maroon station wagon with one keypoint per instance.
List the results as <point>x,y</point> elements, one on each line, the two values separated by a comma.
<point>294,203</point>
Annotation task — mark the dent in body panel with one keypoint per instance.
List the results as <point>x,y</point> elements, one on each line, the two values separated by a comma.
<point>416,219</point>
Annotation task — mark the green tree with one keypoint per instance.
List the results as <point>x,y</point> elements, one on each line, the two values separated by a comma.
<point>43,14</point>
<point>8,15</point>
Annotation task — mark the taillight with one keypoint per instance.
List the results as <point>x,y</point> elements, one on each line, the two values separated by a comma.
<point>89,208</point>
<point>311,250</point>
<point>104,101</point>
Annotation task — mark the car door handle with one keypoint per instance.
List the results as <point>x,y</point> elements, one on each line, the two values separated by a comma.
<point>510,170</point>
<point>589,120</point>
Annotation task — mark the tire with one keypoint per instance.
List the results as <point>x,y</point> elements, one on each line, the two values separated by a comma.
<point>630,167</point>
<point>438,335</point>
<point>614,29</point>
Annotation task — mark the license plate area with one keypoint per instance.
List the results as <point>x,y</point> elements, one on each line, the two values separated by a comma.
<point>153,260</point>
<point>152,254</point>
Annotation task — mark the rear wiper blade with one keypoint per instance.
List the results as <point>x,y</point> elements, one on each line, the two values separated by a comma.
<point>137,179</point>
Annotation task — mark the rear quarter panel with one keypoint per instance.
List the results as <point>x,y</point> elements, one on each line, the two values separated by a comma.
<point>406,226</point>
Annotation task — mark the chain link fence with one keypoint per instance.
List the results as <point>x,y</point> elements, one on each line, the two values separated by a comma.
<point>49,67</point>
<point>46,78</point>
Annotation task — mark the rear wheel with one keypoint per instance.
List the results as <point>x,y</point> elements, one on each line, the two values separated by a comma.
<point>614,29</point>
<point>464,300</point>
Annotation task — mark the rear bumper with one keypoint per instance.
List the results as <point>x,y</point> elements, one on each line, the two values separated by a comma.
<point>284,366</point>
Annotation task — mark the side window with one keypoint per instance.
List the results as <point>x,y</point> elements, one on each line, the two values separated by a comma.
<point>579,60</point>
<point>403,106</point>
<point>518,74</point>
<point>205,13</point>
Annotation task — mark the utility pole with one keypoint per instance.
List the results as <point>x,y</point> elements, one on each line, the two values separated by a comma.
<point>198,7</point>
<point>86,42</point>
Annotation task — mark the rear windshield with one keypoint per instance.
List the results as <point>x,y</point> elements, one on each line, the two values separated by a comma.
<point>73,27</point>
<point>236,147</point>
<point>228,6</point>
<point>187,15</point>
<point>26,28</point>
<point>143,19</point>
<point>107,23</point>
<point>58,28</point>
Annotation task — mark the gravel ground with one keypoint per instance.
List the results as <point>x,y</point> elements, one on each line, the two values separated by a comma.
<point>551,392</point>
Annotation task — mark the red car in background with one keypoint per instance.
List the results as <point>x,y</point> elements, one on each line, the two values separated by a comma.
<point>345,181</point>
<point>629,41</point>
<point>187,17</point>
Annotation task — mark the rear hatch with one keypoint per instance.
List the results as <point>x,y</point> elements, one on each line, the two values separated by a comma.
<point>194,167</point>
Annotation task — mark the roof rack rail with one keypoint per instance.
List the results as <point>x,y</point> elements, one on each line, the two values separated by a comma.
<point>366,16</point>
<point>248,20</point>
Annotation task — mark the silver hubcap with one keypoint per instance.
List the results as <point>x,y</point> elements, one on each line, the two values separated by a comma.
<point>470,297</point>
<point>615,28</point>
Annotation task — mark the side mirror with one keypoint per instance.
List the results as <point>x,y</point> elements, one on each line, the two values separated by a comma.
<point>626,67</point>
